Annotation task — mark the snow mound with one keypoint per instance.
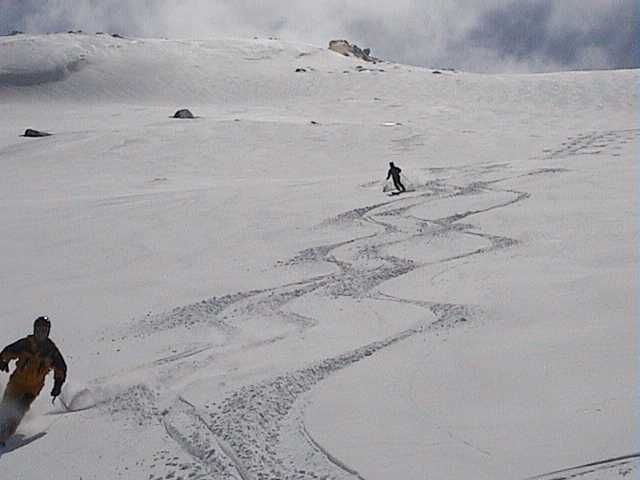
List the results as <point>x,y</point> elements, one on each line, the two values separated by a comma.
<point>54,72</point>
<point>106,68</point>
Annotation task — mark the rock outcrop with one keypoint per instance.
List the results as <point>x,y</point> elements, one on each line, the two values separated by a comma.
<point>30,132</point>
<point>183,113</point>
<point>348,50</point>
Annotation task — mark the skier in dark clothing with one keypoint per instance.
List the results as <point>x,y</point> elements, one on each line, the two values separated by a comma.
<point>394,173</point>
<point>36,355</point>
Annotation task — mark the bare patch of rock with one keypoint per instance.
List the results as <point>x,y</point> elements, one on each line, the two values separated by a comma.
<point>30,132</point>
<point>348,50</point>
<point>183,113</point>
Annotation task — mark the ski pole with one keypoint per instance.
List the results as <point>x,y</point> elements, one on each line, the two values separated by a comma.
<point>66,407</point>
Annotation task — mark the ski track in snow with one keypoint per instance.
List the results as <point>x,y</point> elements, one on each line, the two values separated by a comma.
<point>251,420</point>
<point>240,437</point>
<point>593,144</point>
<point>619,467</point>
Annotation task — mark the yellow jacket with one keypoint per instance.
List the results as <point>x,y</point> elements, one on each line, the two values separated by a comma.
<point>34,362</point>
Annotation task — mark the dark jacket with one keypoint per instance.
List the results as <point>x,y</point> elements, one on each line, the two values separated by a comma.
<point>34,362</point>
<point>394,172</point>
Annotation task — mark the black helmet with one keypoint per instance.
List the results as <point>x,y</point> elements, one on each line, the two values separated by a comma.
<point>42,321</point>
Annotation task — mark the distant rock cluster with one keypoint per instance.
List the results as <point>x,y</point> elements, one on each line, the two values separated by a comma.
<point>348,50</point>
<point>33,133</point>
<point>71,32</point>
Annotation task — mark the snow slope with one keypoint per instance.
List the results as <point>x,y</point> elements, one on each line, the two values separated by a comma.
<point>238,299</point>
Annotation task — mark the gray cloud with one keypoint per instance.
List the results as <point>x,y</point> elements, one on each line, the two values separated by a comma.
<point>491,36</point>
<point>526,31</point>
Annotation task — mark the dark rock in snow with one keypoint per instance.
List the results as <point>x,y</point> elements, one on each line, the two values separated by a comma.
<point>29,132</point>
<point>300,70</point>
<point>183,113</point>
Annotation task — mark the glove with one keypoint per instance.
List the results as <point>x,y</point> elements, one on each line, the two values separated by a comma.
<point>4,366</point>
<point>56,390</point>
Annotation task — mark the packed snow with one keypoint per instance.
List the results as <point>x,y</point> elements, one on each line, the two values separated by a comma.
<point>238,296</point>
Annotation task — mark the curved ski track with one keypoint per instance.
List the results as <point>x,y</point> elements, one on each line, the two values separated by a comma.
<point>239,437</point>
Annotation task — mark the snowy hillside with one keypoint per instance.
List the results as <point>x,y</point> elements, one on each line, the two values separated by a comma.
<point>237,298</point>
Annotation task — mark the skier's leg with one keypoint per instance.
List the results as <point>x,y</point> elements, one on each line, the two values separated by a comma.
<point>397,184</point>
<point>5,422</point>
<point>9,422</point>
<point>8,410</point>
<point>401,186</point>
<point>15,404</point>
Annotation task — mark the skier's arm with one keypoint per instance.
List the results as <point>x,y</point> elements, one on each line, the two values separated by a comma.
<point>389,174</point>
<point>59,372</point>
<point>11,352</point>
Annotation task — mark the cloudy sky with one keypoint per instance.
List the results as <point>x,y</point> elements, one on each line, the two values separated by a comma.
<point>475,35</point>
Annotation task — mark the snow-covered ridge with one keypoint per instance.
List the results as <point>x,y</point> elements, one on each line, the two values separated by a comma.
<point>111,68</point>
<point>260,71</point>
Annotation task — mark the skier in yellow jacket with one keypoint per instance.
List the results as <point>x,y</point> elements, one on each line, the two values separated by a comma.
<point>36,355</point>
